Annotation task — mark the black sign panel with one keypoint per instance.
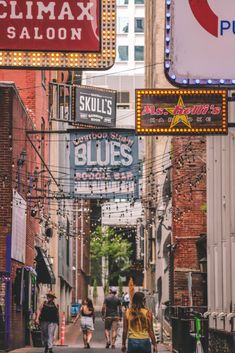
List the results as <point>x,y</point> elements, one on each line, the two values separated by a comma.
<point>95,106</point>
<point>181,112</point>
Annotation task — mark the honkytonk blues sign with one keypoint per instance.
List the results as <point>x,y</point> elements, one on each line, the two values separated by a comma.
<point>104,164</point>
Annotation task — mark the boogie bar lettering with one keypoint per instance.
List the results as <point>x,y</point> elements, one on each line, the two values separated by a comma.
<point>104,164</point>
<point>181,112</point>
<point>50,25</point>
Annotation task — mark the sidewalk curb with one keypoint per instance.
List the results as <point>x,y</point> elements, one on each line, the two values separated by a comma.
<point>24,349</point>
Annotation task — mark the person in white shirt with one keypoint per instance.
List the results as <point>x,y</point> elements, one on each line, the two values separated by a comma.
<point>126,300</point>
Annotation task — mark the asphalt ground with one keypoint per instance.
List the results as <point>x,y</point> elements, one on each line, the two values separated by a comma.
<point>74,342</point>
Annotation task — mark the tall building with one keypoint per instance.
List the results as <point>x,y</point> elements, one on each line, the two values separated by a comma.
<point>174,195</point>
<point>25,266</point>
<point>221,240</point>
<point>127,74</point>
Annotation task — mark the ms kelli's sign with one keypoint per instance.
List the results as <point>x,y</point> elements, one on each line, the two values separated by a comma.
<point>181,112</point>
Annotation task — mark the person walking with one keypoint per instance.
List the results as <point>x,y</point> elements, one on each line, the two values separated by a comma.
<point>138,327</point>
<point>126,300</point>
<point>48,319</point>
<point>111,314</point>
<point>87,315</point>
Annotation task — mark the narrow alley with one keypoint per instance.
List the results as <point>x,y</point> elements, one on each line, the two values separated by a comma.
<point>74,343</point>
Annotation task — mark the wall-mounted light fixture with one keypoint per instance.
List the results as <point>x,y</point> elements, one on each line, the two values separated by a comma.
<point>203,265</point>
<point>33,212</point>
<point>160,213</point>
<point>22,158</point>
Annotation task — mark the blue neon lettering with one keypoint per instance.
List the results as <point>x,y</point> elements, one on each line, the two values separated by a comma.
<point>224,26</point>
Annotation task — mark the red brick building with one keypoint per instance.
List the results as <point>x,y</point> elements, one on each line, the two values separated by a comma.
<point>188,221</point>
<point>24,210</point>
<point>81,250</point>
<point>23,108</point>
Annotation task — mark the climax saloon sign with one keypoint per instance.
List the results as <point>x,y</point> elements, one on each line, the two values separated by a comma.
<point>50,25</point>
<point>104,164</point>
<point>57,34</point>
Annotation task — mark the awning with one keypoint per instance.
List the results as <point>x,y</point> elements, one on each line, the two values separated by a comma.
<point>44,270</point>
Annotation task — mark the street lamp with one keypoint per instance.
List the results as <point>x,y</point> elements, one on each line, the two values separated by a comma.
<point>22,158</point>
<point>160,212</point>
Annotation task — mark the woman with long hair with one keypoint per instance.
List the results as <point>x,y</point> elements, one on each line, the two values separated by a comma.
<point>138,327</point>
<point>87,315</point>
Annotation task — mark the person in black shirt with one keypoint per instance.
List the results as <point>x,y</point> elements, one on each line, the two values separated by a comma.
<point>87,316</point>
<point>111,314</point>
<point>48,317</point>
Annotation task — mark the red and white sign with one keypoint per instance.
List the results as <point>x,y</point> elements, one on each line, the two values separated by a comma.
<point>50,25</point>
<point>202,39</point>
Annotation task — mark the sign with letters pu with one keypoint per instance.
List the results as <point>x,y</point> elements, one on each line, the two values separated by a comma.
<point>181,112</point>
<point>199,42</point>
<point>104,164</point>
<point>95,106</point>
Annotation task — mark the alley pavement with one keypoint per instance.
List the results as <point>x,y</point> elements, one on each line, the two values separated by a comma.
<point>74,343</point>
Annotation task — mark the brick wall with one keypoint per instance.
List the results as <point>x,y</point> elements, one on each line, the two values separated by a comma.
<point>189,219</point>
<point>5,172</point>
<point>10,146</point>
<point>15,119</point>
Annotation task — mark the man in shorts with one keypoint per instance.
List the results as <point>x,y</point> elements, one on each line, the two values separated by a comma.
<point>111,314</point>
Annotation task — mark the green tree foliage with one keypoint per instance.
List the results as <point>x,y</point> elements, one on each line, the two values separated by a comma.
<point>95,292</point>
<point>106,287</point>
<point>106,243</point>
<point>120,287</point>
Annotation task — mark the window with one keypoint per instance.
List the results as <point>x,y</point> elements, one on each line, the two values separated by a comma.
<point>122,2</point>
<point>139,25</point>
<point>139,53</point>
<point>43,78</point>
<point>122,53</point>
<point>123,25</point>
<point>123,100</point>
<point>139,2</point>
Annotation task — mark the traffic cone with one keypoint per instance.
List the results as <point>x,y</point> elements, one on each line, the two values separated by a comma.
<point>62,329</point>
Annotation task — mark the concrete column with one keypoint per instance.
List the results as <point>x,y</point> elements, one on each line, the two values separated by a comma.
<point>210,223</point>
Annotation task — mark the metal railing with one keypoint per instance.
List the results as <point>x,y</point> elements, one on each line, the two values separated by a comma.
<point>184,329</point>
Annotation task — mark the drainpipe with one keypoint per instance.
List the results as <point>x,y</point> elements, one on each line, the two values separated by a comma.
<point>171,276</point>
<point>8,293</point>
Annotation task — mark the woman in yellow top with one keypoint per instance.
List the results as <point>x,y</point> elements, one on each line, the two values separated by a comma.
<point>138,327</point>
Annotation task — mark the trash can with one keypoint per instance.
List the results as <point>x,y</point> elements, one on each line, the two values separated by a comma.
<point>75,308</point>
<point>36,338</point>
